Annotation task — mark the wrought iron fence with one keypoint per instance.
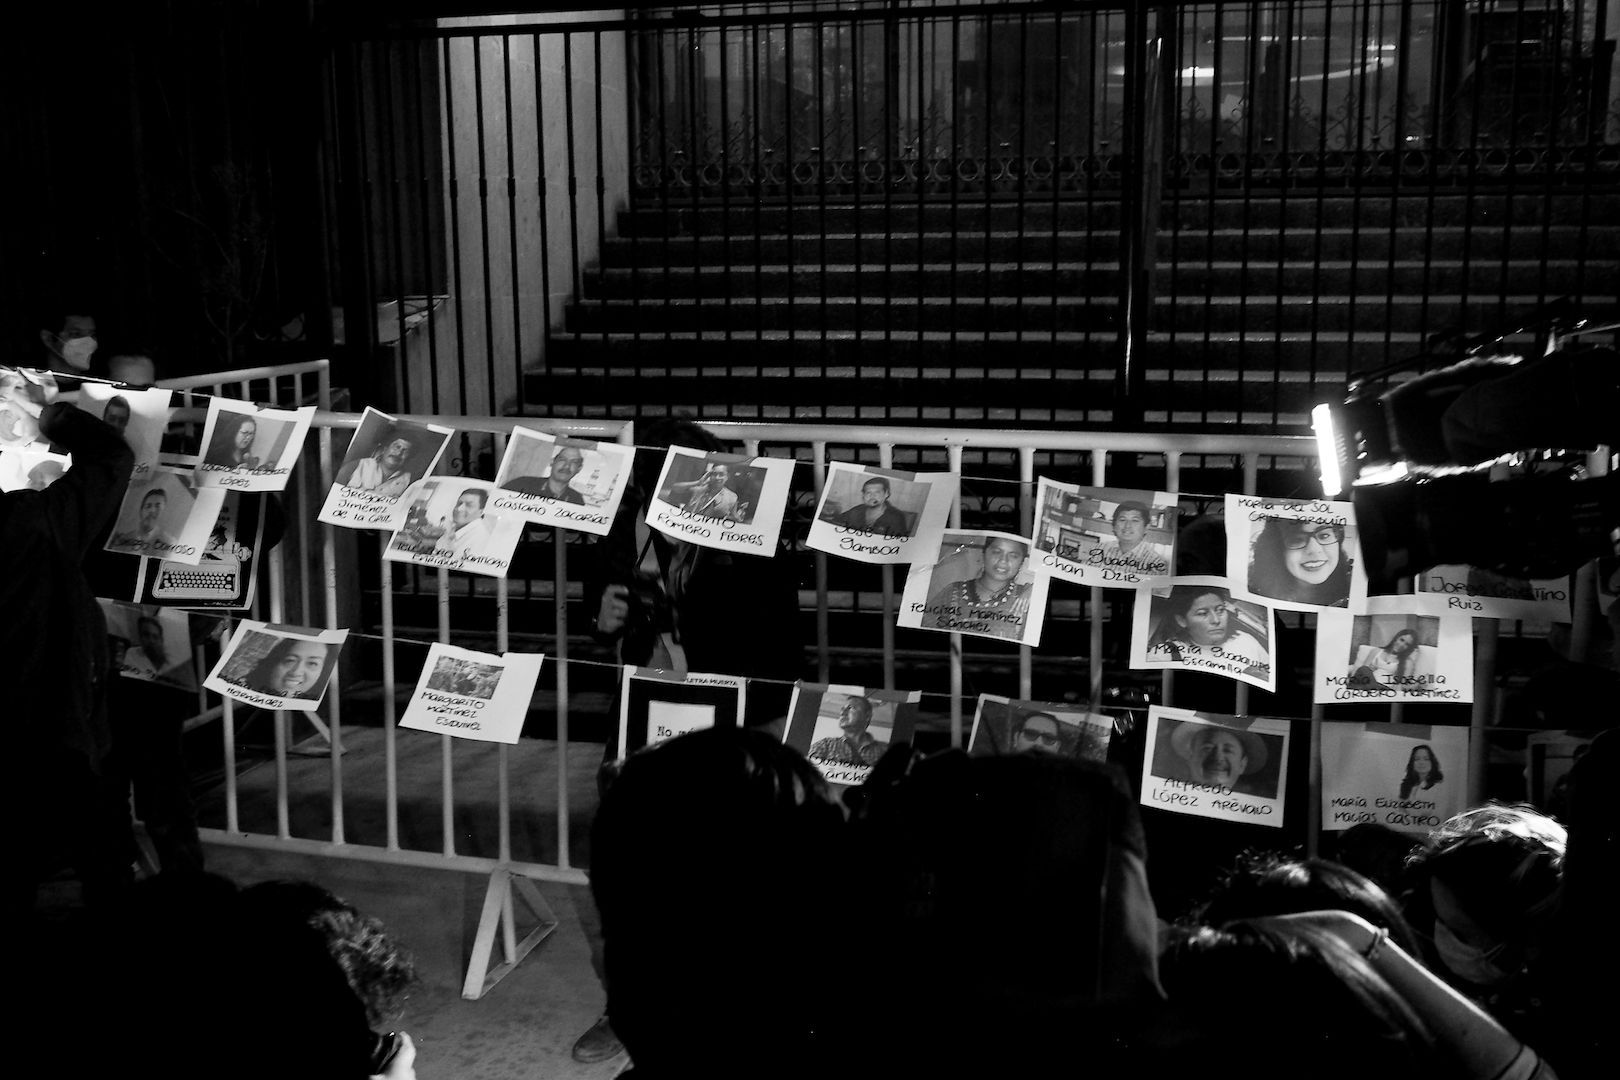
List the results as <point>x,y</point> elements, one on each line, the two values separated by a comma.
<point>1077,213</point>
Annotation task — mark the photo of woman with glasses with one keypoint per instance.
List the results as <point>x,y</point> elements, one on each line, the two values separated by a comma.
<point>1301,562</point>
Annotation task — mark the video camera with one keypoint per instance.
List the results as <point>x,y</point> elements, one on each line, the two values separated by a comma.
<point>1486,462</point>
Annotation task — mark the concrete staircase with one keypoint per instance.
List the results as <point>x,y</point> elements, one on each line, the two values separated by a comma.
<point>1008,314</point>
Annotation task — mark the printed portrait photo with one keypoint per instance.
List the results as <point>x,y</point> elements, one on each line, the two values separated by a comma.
<point>869,503</point>
<point>1107,527</point>
<point>851,729</point>
<point>1294,561</point>
<point>453,675</point>
<point>279,665</point>
<point>445,516</point>
<point>181,443</point>
<point>241,440</point>
<point>1399,776</point>
<point>164,515</point>
<point>152,644</point>
<point>140,416</point>
<point>983,584</point>
<point>1001,726</point>
<point>23,393</point>
<point>575,472</point>
<point>1386,649</point>
<point>32,468</point>
<point>387,455</point>
<point>720,486</point>
<point>249,448</point>
<point>1196,624</point>
<point>1215,755</point>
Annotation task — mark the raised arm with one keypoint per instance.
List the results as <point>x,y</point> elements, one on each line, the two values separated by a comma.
<point>1470,1035</point>
<point>80,503</point>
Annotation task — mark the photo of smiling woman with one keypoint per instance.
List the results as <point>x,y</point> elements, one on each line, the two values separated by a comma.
<point>267,663</point>
<point>293,668</point>
<point>1301,562</point>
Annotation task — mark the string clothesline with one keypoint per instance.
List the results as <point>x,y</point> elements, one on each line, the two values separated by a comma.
<point>941,695</point>
<point>1179,496</point>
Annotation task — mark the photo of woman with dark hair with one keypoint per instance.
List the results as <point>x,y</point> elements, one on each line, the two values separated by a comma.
<point>1422,771</point>
<point>1203,620</point>
<point>1301,562</point>
<point>232,444</point>
<point>1383,664</point>
<point>294,667</point>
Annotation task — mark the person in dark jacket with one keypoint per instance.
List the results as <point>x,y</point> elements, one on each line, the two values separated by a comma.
<point>675,606</point>
<point>55,641</point>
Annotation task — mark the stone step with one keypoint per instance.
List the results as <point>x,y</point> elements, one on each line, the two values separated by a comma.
<point>940,355</point>
<point>1254,313</point>
<point>1449,242</point>
<point>1533,205</point>
<point>1004,397</point>
<point>1038,283</point>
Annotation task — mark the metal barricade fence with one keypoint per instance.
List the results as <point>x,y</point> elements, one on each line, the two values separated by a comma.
<point>1009,459</point>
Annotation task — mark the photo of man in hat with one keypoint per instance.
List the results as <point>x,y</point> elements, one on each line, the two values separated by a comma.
<point>1224,757</point>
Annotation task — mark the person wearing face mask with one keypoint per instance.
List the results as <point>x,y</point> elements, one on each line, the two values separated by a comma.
<point>1485,886</point>
<point>69,348</point>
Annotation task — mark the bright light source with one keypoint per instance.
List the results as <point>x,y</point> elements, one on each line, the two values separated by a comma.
<point>1327,450</point>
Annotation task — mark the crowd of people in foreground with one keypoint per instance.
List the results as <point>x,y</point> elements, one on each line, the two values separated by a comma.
<point>958,914</point>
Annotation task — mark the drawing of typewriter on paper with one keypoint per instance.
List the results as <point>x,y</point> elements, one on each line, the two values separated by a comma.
<point>222,578</point>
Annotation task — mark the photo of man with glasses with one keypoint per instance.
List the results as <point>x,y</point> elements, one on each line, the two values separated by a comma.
<point>1031,727</point>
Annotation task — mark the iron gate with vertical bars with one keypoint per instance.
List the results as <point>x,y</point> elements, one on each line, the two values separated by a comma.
<point>1165,215</point>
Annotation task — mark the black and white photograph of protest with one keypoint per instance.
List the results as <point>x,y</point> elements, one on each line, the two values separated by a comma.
<point>453,675</point>
<point>1214,755</point>
<point>1045,728</point>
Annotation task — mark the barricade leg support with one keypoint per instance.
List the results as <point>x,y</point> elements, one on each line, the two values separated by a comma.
<point>499,912</point>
